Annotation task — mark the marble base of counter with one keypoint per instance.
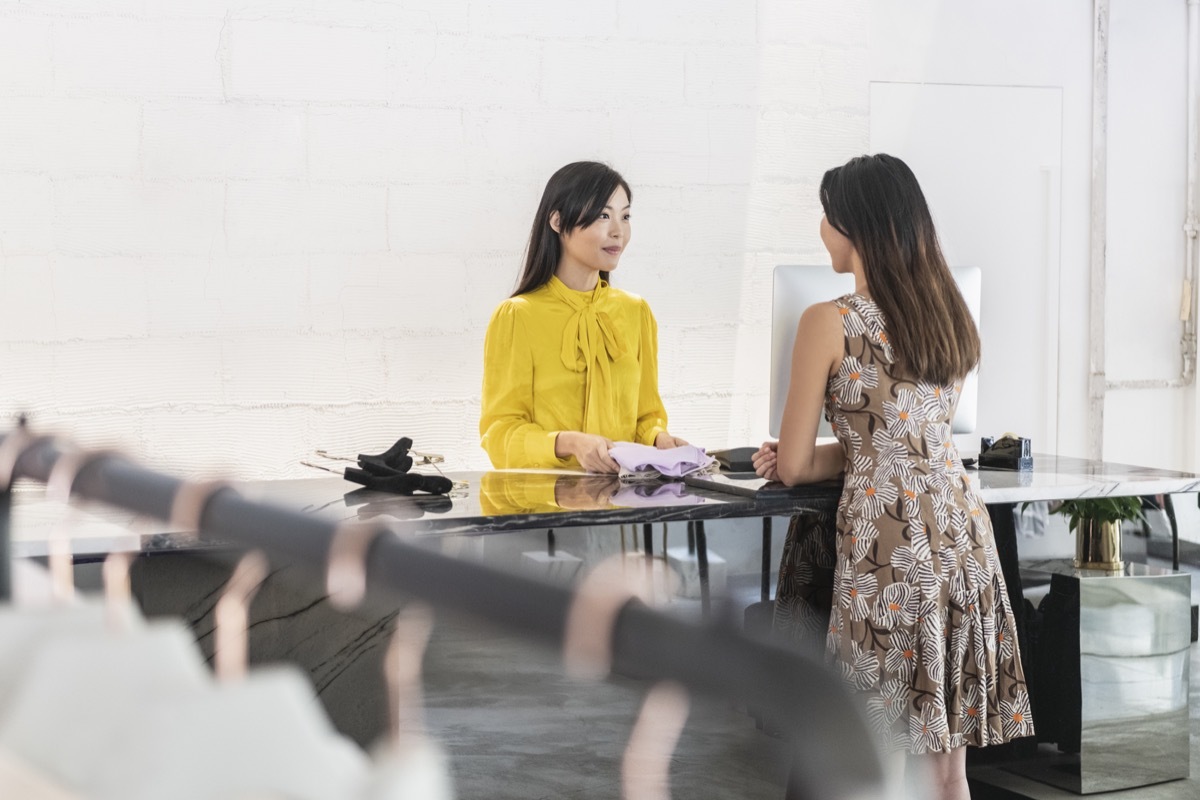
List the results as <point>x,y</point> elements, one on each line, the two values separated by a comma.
<point>342,653</point>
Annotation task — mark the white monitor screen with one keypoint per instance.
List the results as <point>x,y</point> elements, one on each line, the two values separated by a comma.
<point>799,286</point>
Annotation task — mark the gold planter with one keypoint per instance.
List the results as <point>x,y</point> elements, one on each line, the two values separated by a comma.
<point>1098,545</point>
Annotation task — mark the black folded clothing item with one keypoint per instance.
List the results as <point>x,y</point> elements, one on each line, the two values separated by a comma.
<point>389,472</point>
<point>395,458</point>
<point>735,459</point>
<point>400,482</point>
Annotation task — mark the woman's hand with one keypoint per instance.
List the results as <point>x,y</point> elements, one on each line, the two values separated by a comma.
<point>765,461</point>
<point>589,449</point>
<point>665,441</point>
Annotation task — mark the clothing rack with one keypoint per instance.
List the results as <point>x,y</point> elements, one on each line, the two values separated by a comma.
<point>795,693</point>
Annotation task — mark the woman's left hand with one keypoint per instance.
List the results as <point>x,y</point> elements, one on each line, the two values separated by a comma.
<point>766,461</point>
<point>665,441</point>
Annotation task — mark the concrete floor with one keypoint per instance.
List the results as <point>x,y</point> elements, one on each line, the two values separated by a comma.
<point>516,727</point>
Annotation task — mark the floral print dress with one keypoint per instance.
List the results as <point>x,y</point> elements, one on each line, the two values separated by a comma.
<point>918,617</point>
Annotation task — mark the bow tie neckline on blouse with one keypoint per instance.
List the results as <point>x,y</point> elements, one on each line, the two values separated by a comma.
<point>590,344</point>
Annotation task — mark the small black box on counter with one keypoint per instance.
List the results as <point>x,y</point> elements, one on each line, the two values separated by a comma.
<point>1007,452</point>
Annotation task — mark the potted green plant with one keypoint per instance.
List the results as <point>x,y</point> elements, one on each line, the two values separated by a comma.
<point>1096,523</point>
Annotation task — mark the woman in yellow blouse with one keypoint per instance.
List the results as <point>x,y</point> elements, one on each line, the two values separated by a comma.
<point>570,364</point>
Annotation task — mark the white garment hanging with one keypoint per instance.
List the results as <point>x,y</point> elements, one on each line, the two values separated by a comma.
<point>23,632</point>
<point>32,586</point>
<point>263,735</point>
<point>81,692</point>
<point>35,618</point>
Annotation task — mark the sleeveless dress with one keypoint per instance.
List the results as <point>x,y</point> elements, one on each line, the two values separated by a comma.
<point>918,617</point>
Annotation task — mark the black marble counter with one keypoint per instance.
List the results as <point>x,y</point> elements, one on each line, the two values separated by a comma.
<point>497,501</point>
<point>509,500</point>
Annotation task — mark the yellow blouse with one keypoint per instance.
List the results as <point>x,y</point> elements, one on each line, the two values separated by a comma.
<point>556,359</point>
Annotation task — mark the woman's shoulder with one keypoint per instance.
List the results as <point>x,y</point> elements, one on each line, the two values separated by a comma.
<point>826,313</point>
<point>512,312</point>
<point>860,316</point>
<point>627,299</point>
<point>520,305</point>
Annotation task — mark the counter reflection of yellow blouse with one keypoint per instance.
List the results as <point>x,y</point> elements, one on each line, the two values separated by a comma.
<point>544,492</point>
<point>556,359</point>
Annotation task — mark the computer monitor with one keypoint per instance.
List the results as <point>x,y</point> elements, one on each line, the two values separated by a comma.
<point>799,286</point>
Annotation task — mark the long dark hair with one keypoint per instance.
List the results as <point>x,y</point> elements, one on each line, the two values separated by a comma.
<point>876,202</point>
<point>578,192</point>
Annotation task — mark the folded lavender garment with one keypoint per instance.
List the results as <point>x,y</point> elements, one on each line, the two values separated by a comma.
<point>641,459</point>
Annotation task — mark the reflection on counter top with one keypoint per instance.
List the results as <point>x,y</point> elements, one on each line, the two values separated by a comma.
<point>517,499</point>
<point>1069,478</point>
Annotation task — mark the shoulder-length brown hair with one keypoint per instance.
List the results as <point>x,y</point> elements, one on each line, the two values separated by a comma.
<point>876,202</point>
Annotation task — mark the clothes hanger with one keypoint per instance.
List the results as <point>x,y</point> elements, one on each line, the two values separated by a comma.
<point>408,763</point>
<point>587,654</point>
<point>232,617</point>
<point>346,573</point>
<point>646,764</point>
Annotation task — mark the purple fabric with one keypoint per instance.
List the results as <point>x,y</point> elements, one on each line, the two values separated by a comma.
<point>673,463</point>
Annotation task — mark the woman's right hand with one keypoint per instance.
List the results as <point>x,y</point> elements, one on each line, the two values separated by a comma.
<point>765,461</point>
<point>589,449</point>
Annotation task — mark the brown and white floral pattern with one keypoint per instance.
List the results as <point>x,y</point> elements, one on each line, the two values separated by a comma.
<point>917,616</point>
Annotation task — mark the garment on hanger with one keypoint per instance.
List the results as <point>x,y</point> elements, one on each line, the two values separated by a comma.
<point>265,733</point>
<point>24,632</point>
<point>81,692</point>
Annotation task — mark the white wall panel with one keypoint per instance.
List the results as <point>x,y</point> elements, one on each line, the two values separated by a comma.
<point>988,160</point>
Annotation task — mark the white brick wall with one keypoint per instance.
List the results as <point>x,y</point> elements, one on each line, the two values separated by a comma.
<point>136,57</point>
<point>70,136</point>
<point>434,218</point>
<point>533,19</point>
<point>26,214</point>
<point>284,60</point>
<point>26,56</point>
<point>240,231</point>
<point>453,71</point>
<point>214,139</point>
<point>394,145</point>
<point>127,216</point>
<point>700,21</point>
<point>513,144</point>
<point>613,75</point>
<point>286,218</point>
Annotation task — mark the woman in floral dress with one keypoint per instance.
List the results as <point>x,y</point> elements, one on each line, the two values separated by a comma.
<point>920,619</point>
